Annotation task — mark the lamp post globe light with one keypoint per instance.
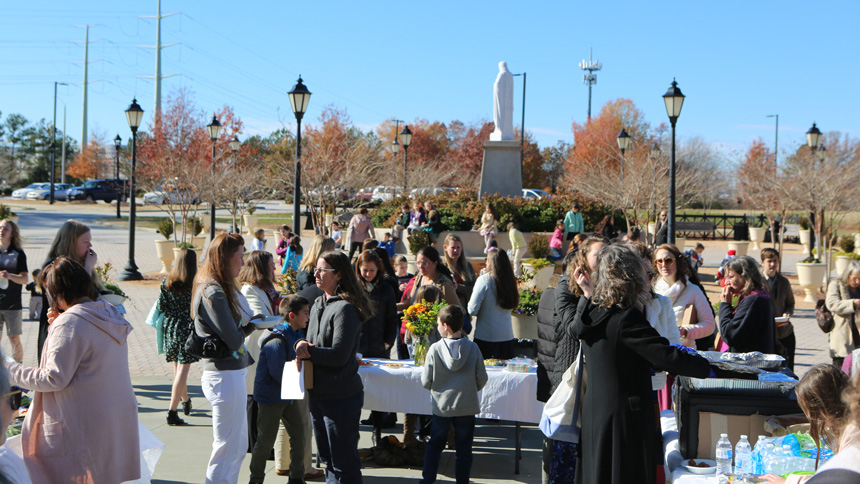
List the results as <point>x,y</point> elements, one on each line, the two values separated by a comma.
<point>214,128</point>
<point>235,144</point>
<point>624,141</point>
<point>813,137</point>
<point>117,142</point>
<point>406,140</point>
<point>134,114</point>
<point>299,98</point>
<point>674,101</point>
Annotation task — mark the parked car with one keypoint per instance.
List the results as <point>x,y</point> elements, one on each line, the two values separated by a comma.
<point>383,194</point>
<point>365,194</point>
<point>45,194</point>
<point>21,193</point>
<point>431,191</point>
<point>165,194</point>
<point>535,193</point>
<point>63,195</point>
<point>93,190</point>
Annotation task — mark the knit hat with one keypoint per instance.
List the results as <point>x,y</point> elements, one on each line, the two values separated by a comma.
<point>732,252</point>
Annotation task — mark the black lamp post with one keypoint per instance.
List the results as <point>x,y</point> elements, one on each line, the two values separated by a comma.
<point>117,142</point>
<point>406,140</point>
<point>674,100</point>
<point>234,145</point>
<point>299,98</point>
<point>813,137</point>
<point>214,131</point>
<point>134,114</point>
<point>624,142</point>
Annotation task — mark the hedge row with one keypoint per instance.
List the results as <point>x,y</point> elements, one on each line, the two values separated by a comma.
<point>462,211</point>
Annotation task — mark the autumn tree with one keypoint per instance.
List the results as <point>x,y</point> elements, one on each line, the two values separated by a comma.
<point>465,155</point>
<point>97,161</point>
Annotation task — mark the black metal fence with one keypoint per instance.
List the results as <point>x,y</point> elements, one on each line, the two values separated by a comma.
<point>726,226</point>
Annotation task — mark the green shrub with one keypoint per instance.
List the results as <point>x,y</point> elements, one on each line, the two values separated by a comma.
<point>454,220</point>
<point>194,225</point>
<point>5,212</point>
<point>529,300</point>
<point>538,264</point>
<point>165,228</point>
<point>381,217</point>
<point>804,223</point>
<point>846,243</point>
<point>418,240</point>
<point>186,245</point>
<point>538,246</point>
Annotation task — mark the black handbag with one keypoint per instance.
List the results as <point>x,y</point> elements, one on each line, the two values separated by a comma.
<point>211,347</point>
<point>824,317</point>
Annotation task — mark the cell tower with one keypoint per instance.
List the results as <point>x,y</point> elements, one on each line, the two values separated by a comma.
<point>590,77</point>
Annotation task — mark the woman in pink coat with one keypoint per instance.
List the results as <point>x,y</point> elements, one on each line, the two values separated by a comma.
<point>82,425</point>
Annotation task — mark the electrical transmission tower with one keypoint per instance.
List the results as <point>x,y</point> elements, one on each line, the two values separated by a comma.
<point>158,77</point>
<point>590,78</point>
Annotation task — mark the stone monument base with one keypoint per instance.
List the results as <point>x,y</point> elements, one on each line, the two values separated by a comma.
<point>501,171</point>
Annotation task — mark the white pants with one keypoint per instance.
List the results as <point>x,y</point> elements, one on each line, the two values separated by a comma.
<point>518,259</point>
<point>225,390</point>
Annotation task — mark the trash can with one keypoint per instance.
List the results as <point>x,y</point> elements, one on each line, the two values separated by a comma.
<point>742,231</point>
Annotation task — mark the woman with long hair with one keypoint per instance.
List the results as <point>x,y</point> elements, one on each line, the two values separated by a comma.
<point>74,241</point>
<point>621,347</point>
<point>674,279</point>
<point>13,277</point>
<point>457,262</point>
<point>843,300</point>
<point>174,301</point>
<point>257,278</point>
<point>431,270</point>
<point>85,361</point>
<point>389,276</point>
<point>749,325</point>
<point>305,275</point>
<point>333,336</point>
<point>220,310</point>
<point>492,301</point>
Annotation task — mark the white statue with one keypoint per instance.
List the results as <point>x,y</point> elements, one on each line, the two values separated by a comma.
<point>503,105</point>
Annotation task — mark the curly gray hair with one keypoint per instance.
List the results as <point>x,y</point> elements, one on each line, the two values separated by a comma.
<point>748,268</point>
<point>622,280</point>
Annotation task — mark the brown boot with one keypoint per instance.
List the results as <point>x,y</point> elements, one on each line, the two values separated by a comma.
<point>409,429</point>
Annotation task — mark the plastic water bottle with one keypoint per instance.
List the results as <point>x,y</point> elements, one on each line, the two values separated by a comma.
<point>789,464</point>
<point>767,457</point>
<point>743,457</point>
<point>724,458</point>
<point>758,456</point>
<point>779,461</point>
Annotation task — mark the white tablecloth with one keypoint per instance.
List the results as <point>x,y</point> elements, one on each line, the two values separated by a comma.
<point>676,473</point>
<point>507,395</point>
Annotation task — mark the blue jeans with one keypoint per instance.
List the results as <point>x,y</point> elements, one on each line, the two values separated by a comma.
<point>464,434</point>
<point>335,423</point>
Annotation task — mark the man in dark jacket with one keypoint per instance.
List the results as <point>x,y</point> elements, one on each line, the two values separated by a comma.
<point>782,299</point>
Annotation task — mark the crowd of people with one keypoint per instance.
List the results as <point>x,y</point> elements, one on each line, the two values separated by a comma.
<point>637,313</point>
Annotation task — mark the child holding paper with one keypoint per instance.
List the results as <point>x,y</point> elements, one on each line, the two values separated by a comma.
<point>276,350</point>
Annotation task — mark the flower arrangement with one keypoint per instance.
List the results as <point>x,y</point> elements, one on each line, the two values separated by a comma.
<point>287,281</point>
<point>103,271</point>
<point>529,300</point>
<point>421,317</point>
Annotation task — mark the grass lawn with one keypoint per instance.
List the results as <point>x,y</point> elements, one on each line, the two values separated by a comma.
<point>266,221</point>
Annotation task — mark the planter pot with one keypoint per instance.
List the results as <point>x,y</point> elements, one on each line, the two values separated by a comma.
<point>198,241</point>
<point>329,218</point>
<point>680,242</point>
<point>524,326</point>
<point>198,252</point>
<point>841,264</point>
<point>250,223</point>
<point>809,278</point>
<point>652,228</point>
<point>756,236</point>
<point>204,218</point>
<point>411,264</point>
<point>805,236</point>
<point>740,247</point>
<point>542,276</point>
<point>164,251</point>
<point>857,243</point>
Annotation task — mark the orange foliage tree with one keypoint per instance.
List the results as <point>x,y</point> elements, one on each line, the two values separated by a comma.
<point>96,161</point>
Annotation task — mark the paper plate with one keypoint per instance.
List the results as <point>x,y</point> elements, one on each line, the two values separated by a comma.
<point>266,323</point>
<point>781,319</point>
<point>114,299</point>
<point>702,470</point>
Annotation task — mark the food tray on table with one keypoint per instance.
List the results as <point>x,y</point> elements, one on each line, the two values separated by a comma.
<point>755,360</point>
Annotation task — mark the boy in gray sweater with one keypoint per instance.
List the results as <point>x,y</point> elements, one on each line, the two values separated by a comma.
<point>454,373</point>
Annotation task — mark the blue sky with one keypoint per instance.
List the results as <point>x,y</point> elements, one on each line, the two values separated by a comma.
<point>736,61</point>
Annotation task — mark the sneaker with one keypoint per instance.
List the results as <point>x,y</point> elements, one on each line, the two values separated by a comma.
<point>173,418</point>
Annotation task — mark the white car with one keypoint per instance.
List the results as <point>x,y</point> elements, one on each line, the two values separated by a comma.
<point>432,191</point>
<point>45,194</point>
<point>21,193</point>
<point>162,195</point>
<point>383,194</point>
<point>535,193</point>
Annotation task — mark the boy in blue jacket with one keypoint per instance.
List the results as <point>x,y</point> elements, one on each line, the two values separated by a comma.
<point>276,349</point>
<point>454,373</point>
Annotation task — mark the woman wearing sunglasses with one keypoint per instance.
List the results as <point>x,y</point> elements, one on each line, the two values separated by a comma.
<point>67,437</point>
<point>673,281</point>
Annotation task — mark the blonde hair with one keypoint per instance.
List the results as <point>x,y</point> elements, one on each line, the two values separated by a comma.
<point>66,244</point>
<point>319,245</point>
<point>458,267</point>
<point>15,243</point>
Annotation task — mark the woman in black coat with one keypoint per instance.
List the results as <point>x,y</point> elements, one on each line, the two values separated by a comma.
<point>749,326</point>
<point>620,348</point>
<point>379,332</point>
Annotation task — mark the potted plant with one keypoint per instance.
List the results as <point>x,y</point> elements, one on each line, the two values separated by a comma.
<point>117,296</point>
<point>810,273</point>
<point>195,226</point>
<point>251,220</point>
<point>524,317</point>
<point>740,246</point>
<point>540,270</point>
<point>164,248</point>
<point>846,243</point>
<point>756,236</point>
<point>187,245</point>
<point>805,234</point>
<point>417,241</point>
<point>7,213</point>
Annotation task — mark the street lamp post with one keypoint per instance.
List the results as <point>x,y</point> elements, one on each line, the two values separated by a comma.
<point>395,148</point>
<point>674,101</point>
<point>214,131</point>
<point>813,138</point>
<point>406,140</point>
<point>133,114</point>
<point>299,99</point>
<point>234,145</point>
<point>624,142</point>
<point>117,142</point>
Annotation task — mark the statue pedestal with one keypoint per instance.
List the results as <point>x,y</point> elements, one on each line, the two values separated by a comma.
<point>501,171</point>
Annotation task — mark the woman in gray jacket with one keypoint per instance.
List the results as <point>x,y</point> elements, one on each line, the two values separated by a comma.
<point>333,336</point>
<point>220,310</point>
<point>494,297</point>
